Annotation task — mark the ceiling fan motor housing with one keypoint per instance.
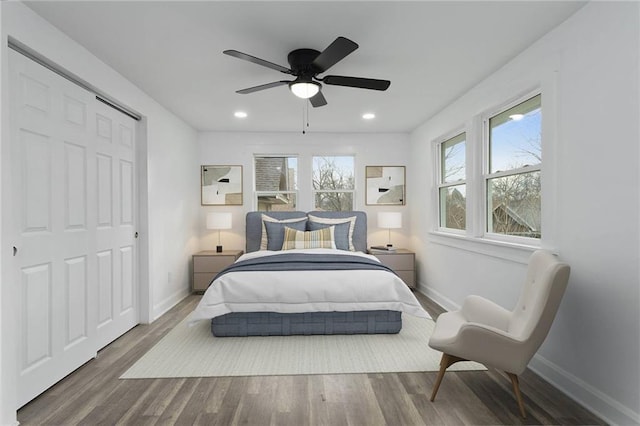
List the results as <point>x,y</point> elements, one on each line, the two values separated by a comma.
<point>300,61</point>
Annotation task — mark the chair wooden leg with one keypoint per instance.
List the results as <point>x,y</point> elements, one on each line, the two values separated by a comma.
<point>516,391</point>
<point>445,362</point>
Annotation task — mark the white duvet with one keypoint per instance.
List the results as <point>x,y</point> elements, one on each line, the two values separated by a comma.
<point>306,291</point>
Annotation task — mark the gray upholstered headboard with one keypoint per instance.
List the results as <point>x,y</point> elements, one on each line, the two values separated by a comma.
<point>254,226</point>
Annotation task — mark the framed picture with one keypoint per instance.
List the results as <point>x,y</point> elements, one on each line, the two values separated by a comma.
<point>221,185</point>
<point>385,186</point>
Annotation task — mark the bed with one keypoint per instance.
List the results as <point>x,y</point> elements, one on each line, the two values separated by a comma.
<point>306,273</point>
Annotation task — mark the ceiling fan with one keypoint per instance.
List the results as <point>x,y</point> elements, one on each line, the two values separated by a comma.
<point>305,65</point>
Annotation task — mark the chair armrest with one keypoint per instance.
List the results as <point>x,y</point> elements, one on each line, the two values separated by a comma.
<point>493,347</point>
<point>477,309</point>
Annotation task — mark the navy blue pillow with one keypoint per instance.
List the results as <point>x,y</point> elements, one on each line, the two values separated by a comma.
<point>340,234</point>
<point>275,232</point>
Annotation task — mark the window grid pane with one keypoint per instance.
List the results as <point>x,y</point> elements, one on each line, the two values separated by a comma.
<point>514,206</point>
<point>334,173</point>
<point>515,136</point>
<point>276,201</point>
<point>333,201</point>
<point>453,207</point>
<point>276,173</point>
<point>453,159</point>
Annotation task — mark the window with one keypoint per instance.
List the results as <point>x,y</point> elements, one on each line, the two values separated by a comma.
<point>452,183</point>
<point>512,178</point>
<point>333,183</point>
<point>276,186</point>
<point>488,182</point>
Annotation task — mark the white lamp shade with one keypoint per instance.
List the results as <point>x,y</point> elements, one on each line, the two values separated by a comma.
<point>219,220</point>
<point>390,220</point>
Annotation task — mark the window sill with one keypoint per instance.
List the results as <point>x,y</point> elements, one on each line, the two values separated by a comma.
<point>515,252</point>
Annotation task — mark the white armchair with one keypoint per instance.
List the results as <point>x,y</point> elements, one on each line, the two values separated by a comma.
<point>484,332</point>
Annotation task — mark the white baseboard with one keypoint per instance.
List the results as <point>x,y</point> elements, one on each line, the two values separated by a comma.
<point>592,399</point>
<point>600,404</point>
<point>163,307</point>
<point>437,297</point>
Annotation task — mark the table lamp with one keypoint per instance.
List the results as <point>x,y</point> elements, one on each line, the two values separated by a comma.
<point>219,221</point>
<point>390,220</point>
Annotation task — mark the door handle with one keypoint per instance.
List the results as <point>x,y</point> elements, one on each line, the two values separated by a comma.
<point>135,235</point>
<point>15,251</point>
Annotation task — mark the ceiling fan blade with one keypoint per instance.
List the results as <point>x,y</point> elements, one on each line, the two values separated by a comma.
<point>318,100</point>
<point>336,51</point>
<point>258,61</point>
<point>361,83</point>
<point>262,87</point>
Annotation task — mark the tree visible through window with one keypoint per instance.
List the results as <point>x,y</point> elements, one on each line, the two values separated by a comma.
<point>514,164</point>
<point>333,183</point>
<point>452,185</point>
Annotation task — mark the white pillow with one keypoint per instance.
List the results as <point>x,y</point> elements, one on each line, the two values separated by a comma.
<point>337,221</point>
<point>264,240</point>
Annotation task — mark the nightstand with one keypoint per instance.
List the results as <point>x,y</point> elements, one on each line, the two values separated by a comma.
<point>206,264</point>
<point>403,263</point>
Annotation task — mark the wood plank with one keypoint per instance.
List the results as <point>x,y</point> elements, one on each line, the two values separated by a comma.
<point>94,394</point>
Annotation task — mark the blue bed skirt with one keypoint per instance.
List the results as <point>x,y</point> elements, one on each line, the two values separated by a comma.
<point>240,324</point>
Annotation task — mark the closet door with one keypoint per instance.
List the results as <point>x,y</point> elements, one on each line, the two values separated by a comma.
<point>115,191</point>
<point>63,268</point>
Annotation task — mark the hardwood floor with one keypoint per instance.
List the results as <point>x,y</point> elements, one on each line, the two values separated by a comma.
<point>93,394</point>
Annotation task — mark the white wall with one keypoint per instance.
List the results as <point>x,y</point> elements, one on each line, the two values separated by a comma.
<point>7,403</point>
<point>168,181</point>
<point>590,68</point>
<point>239,149</point>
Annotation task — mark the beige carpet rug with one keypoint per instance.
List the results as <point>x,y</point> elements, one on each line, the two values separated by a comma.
<point>194,352</point>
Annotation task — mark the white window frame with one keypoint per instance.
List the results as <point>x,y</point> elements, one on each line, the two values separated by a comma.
<point>440,184</point>
<point>475,239</point>
<point>355,180</point>
<point>257,193</point>
<point>486,175</point>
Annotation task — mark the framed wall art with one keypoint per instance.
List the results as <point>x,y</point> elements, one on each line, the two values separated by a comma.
<point>385,186</point>
<point>221,185</point>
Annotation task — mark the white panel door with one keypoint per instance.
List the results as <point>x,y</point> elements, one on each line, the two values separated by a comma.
<point>73,247</point>
<point>115,189</point>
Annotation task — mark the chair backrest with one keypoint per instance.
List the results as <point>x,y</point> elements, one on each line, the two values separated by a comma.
<point>545,285</point>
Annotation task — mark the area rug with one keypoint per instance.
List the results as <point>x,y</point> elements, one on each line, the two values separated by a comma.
<point>194,352</point>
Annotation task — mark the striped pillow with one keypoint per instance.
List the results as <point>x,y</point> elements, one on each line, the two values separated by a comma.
<point>322,238</point>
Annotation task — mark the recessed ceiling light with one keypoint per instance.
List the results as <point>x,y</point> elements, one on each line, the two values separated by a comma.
<point>516,117</point>
<point>369,116</point>
<point>240,114</point>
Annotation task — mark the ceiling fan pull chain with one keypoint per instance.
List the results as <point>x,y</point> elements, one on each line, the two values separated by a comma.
<point>303,130</point>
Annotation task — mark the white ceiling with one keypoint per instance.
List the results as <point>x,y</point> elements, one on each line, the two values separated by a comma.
<point>431,51</point>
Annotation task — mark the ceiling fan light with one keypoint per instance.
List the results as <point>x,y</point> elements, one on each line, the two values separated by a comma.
<point>304,89</point>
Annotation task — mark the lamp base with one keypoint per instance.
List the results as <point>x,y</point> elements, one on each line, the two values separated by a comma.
<point>218,249</point>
